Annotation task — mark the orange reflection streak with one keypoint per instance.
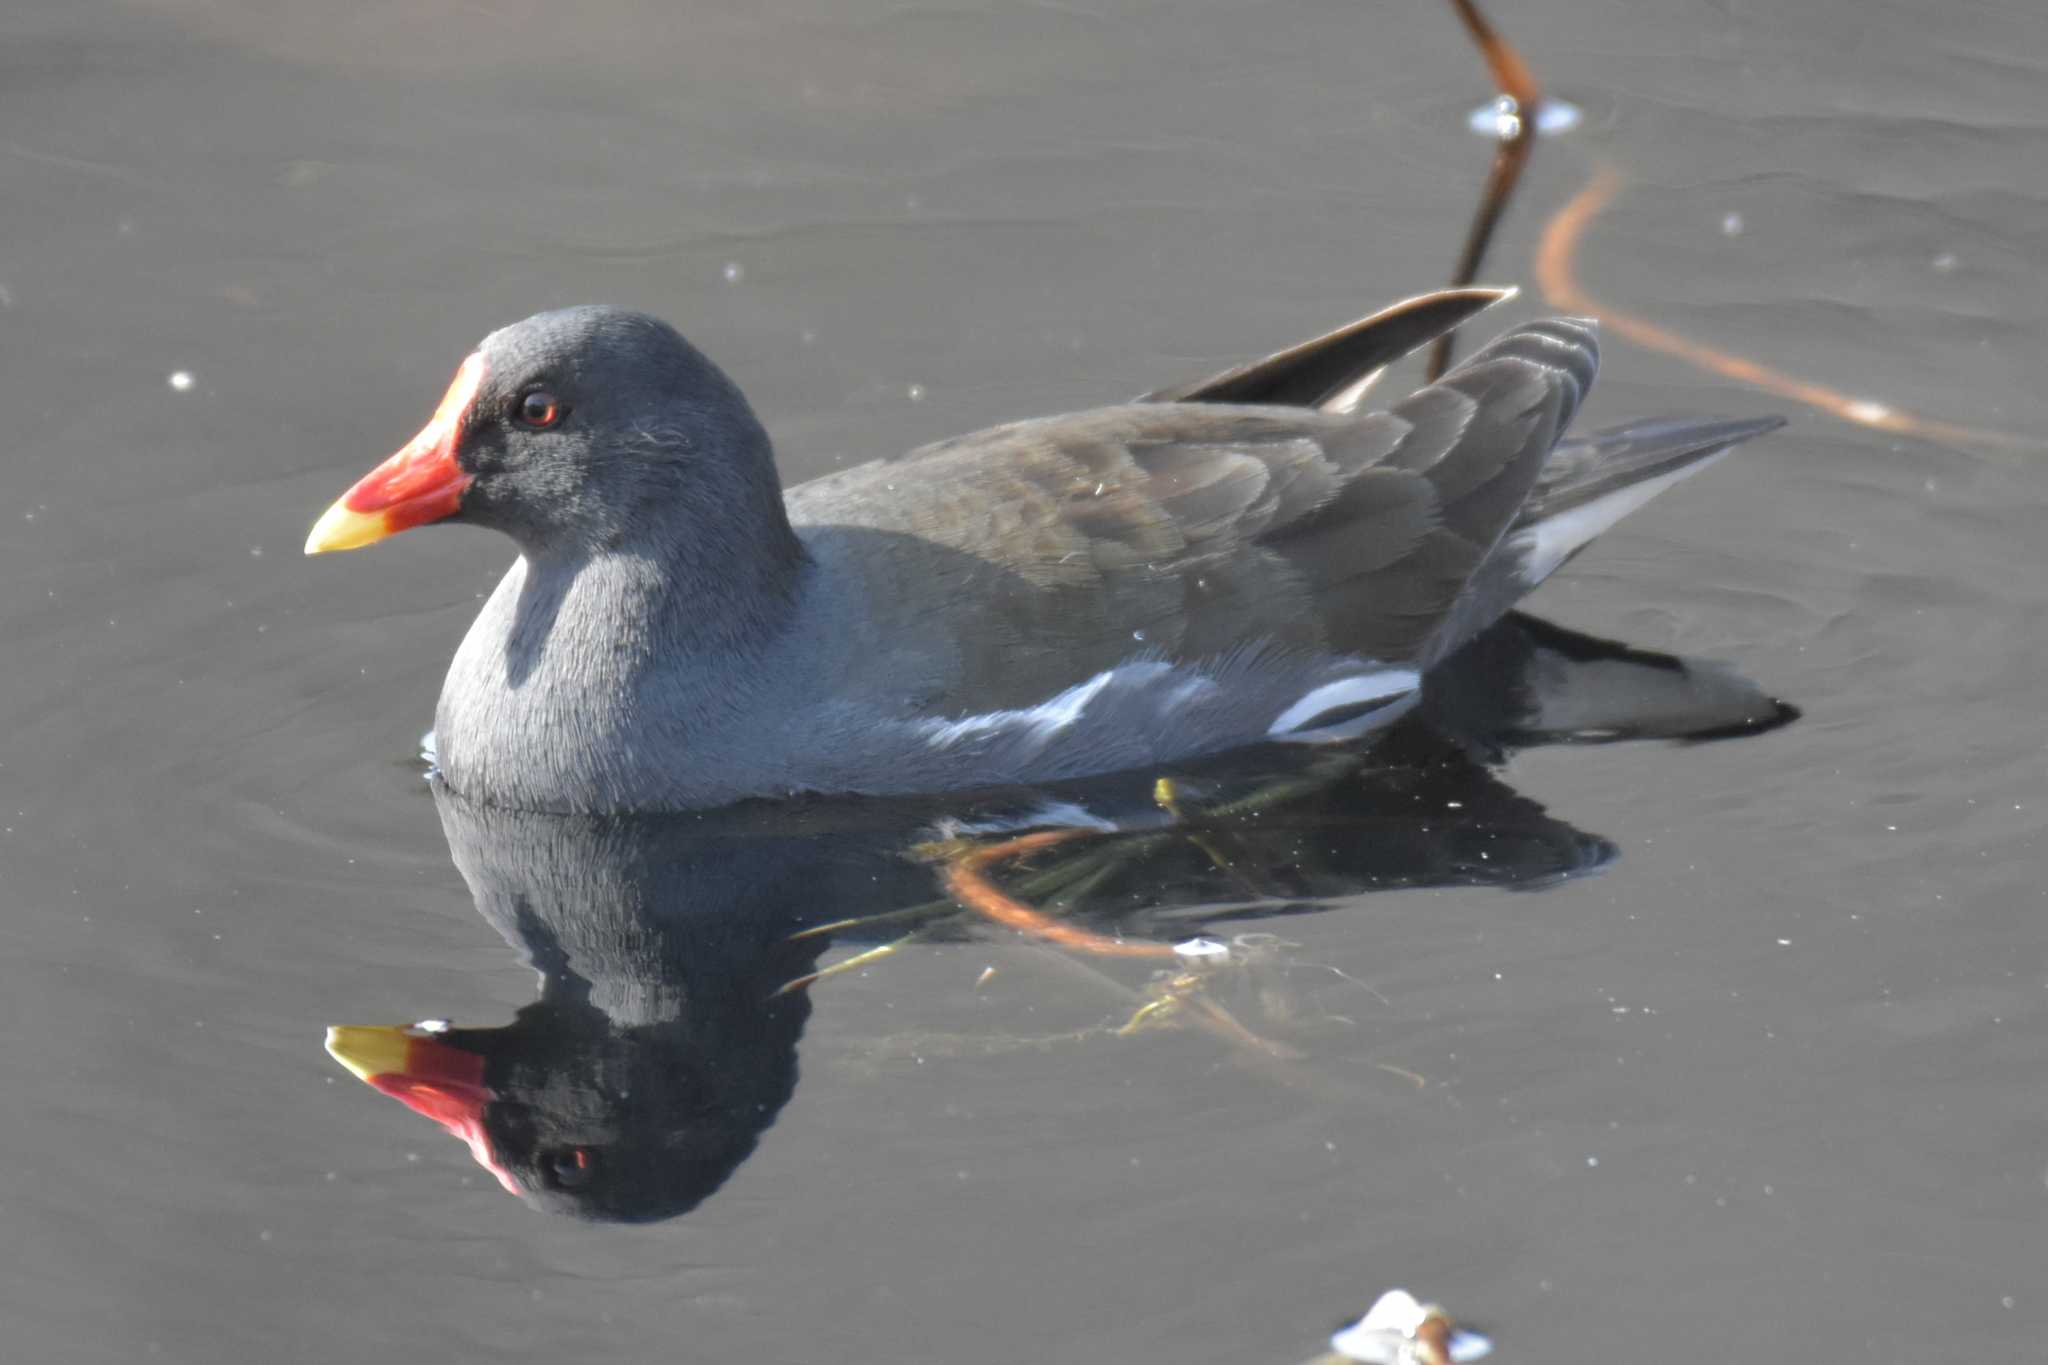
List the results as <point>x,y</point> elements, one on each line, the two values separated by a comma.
<point>1557,276</point>
<point>966,878</point>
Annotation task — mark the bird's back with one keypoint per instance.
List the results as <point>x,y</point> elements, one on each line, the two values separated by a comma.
<point>1191,531</point>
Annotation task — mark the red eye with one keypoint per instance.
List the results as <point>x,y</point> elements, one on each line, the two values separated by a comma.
<point>571,1169</point>
<point>538,408</point>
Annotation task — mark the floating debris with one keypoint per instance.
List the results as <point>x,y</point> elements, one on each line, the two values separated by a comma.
<point>1399,1330</point>
<point>841,968</point>
<point>180,380</point>
<point>1501,119</point>
<point>966,878</point>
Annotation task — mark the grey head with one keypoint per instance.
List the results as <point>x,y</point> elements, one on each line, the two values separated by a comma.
<point>580,431</point>
<point>597,428</point>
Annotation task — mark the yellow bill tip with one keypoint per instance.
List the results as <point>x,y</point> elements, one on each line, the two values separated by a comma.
<point>369,1050</point>
<point>343,528</point>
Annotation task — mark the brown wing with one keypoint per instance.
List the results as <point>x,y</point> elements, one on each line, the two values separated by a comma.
<point>1192,529</point>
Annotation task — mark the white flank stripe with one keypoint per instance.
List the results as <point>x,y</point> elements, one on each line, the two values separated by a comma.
<point>1344,693</point>
<point>1051,717</point>
<point>1048,718</point>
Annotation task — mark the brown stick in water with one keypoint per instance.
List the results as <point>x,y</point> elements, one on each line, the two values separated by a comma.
<point>1513,79</point>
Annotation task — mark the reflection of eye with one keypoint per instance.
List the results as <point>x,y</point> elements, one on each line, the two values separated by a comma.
<point>538,408</point>
<point>570,1169</point>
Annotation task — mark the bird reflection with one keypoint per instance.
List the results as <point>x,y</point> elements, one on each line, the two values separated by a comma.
<point>664,1041</point>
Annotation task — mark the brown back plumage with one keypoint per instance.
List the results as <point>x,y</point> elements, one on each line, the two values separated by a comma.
<point>1190,527</point>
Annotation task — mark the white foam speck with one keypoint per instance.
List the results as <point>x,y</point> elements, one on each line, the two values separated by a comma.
<point>1501,118</point>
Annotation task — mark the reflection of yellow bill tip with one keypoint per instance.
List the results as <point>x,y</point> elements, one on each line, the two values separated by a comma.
<point>369,1050</point>
<point>342,528</point>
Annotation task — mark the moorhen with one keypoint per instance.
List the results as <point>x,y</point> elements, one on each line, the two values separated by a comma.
<point>1248,559</point>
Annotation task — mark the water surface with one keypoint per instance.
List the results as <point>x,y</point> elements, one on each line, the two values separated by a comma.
<point>1767,1085</point>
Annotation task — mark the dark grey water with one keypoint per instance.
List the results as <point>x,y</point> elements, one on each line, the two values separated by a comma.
<point>1769,1086</point>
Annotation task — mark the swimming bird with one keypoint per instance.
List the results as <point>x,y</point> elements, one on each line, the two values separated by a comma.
<point>1253,558</point>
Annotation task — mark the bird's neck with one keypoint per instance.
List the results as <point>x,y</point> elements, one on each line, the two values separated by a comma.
<point>718,594</point>
<point>589,682</point>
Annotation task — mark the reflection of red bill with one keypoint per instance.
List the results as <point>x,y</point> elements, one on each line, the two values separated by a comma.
<point>421,483</point>
<point>444,1083</point>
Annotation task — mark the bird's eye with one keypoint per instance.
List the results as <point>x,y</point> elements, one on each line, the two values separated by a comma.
<point>572,1168</point>
<point>539,409</point>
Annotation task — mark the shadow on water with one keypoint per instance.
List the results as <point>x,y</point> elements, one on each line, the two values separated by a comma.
<point>664,1040</point>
